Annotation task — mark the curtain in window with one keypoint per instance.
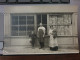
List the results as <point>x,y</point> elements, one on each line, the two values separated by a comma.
<point>62,23</point>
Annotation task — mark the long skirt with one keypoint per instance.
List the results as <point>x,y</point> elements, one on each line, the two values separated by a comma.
<point>53,43</point>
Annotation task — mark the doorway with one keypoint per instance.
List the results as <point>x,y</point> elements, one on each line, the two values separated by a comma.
<point>42,18</point>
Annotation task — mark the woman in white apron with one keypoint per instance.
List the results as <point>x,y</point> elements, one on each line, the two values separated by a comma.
<point>53,39</point>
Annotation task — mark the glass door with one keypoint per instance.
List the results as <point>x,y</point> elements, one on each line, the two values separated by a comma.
<point>42,18</point>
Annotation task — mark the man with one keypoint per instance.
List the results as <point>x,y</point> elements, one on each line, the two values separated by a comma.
<point>41,34</point>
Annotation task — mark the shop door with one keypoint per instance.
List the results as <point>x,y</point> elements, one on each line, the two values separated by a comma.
<point>42,18</point>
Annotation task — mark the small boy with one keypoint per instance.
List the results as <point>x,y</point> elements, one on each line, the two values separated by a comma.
<point>33,38</point>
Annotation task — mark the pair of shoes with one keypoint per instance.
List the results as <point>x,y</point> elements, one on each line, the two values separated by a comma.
<point>54,48</point>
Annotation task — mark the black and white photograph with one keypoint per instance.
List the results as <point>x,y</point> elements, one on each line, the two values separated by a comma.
<point>40,29</point>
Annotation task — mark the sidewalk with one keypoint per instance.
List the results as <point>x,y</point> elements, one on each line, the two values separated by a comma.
<point>27,50</point>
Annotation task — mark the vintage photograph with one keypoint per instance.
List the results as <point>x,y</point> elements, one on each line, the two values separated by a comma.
<point>40,29</point>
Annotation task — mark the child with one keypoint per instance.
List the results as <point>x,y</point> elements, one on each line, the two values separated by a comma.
<point>33,38</point>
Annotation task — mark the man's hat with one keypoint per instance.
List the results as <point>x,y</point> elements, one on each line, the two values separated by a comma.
<point>40,24</point>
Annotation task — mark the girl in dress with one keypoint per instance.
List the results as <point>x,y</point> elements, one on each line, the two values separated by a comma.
<point>53,39</point>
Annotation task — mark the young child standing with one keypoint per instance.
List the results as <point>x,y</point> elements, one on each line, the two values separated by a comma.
<point>33,38</point>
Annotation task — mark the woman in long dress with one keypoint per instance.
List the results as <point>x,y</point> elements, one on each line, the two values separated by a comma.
<point>53,39</point>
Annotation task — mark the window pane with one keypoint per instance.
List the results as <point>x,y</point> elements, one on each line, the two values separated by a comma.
<point>22,25</point>
<point>22,20</point>
<point>14,20</point>
<point>60,20</point>
<point>14,33</point>
<point>44,18</point>
<point>68,30</point>
<point>30,28</point>
<point>67,19</point>
<point>30,19</point>
<point>53,20</point>
<point>22,33</point>
<point>60,30</point>
<point>38,19</point>
<point>28,33</point>
<point>30,22</point>
<point>22,28</point>
<point>14,28</point>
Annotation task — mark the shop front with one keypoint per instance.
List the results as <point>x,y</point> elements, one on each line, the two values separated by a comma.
<point>20,21</point>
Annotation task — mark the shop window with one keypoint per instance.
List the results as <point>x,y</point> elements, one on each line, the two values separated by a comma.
<point>62,23</point>
<point>22,25</point>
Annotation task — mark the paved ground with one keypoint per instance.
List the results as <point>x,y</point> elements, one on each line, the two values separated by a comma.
<point>27,50</point>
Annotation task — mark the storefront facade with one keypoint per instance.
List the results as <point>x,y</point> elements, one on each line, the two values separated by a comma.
<point>19,21</point>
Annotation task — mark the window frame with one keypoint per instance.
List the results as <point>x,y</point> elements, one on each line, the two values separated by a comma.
<point>20,14</point>
<point>35,20</point>
<point>61,25</point>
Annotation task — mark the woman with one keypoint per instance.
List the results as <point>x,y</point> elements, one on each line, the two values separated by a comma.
<point>53,39</point>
